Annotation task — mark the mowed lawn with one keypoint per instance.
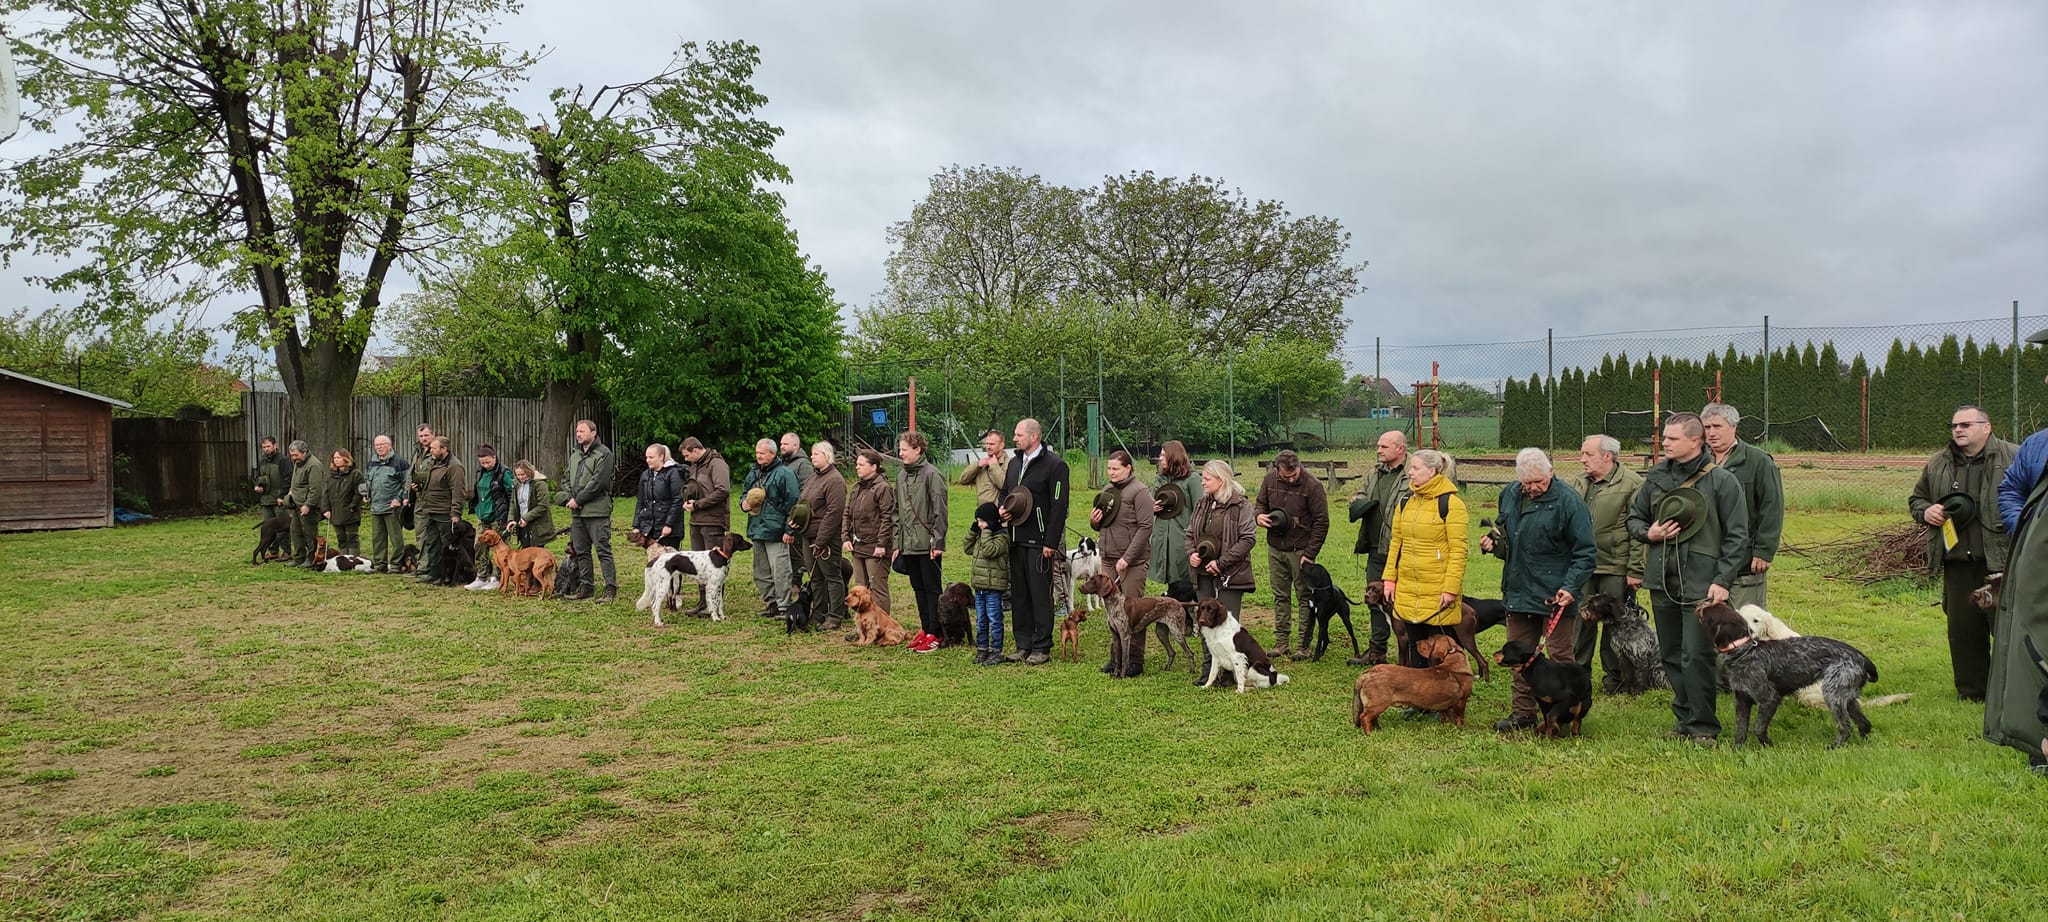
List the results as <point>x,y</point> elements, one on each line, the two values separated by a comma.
<point>185,736</point>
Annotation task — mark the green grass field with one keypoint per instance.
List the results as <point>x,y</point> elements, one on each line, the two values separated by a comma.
<point>184,736</point>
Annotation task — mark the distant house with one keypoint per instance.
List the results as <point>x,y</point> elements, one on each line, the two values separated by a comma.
<point>56,455</point>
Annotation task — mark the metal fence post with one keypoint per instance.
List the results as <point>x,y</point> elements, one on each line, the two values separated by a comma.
<point>1230,401</point>
<point>2015,366</point>
<point>1550,387</point>
<point>1767,380</point>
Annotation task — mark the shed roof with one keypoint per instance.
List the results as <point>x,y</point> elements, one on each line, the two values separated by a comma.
<point>7,372</point>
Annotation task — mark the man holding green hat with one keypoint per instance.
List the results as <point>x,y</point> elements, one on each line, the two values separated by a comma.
<point>1956,498</point>
<point>1691,516</point>
<point>1379,494</point>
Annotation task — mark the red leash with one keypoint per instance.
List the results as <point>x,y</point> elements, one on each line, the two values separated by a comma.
<point>1556,614</point>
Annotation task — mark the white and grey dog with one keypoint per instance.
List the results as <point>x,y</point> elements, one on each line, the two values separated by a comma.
<point>666,569</point>
<point>1766,626</point>
<point>1232,649</point>
<point>1084,561</point>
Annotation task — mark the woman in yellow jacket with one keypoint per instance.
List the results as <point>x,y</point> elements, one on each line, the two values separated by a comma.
<point>1426,553</point>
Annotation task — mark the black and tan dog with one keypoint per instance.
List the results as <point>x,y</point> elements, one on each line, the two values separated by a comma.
<point>1325,600</point>
<point>1563,691</point>
<point>1763,672</point>
<point>1477,616</point>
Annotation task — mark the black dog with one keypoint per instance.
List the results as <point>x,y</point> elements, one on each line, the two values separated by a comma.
<point>458,559</point>
<point>569,577</point>
<point>798,616</point>
<point>270,533</point>
<point>1325,600</point>
<point>409,559</point>
<point>1564,691</point>
<point>1181,591</point>
<point>1638,667</point>
<point>956,615</point>
<point>1763,672</point>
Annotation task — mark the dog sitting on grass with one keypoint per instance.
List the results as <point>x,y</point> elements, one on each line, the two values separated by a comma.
<point>1763,672</point>
<point>1638,667</point>
<point>1563,690</point>
<point>1234,650</point>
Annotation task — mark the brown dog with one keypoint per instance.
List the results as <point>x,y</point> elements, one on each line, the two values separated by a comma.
<point>1472,622</point>
<point>1070,635</point>
<point>523,572</point>
<point>492,543</point>
<point>1444,687</point>
<point>1128,618</point>
<point>871,625</point>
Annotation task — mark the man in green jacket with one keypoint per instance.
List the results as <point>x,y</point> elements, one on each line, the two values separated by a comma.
<point>436,506</point>
<point>272,479</point>
<point>768,526</point>
<point>1609,488</point>
<point>1763,495</point>
<point>303,498</point>
<point>1547,548</point>
<point>422,458</point>
<point>1383,486</point>
<point>1964,477</point>
<point>1697,545</point>
<point>589,498</point>
<point>385,478</point>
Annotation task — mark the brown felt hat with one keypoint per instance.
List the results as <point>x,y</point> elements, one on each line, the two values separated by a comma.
<point>1205,550</point>
<point>1017,505</point>
<point>755,499</point>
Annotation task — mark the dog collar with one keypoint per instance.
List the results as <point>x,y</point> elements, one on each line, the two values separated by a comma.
<point>1740,646</point>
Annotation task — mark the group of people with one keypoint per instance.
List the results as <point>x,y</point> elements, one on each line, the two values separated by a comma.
<point>425,494</point>
<point>1701,526</point>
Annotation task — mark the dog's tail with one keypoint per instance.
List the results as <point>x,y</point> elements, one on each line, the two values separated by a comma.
<point>1882,700</point>
<point>1357,706</point>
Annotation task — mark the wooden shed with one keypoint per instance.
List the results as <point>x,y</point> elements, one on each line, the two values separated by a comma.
<point>56,455</point>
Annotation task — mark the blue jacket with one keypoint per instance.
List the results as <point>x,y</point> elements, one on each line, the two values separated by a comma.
<point>2020,479</point>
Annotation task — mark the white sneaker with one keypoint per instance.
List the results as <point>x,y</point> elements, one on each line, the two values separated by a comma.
<point>491,583</point>
<point>477,583</point>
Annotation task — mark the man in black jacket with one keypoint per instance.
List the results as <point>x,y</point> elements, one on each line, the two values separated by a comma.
<point>1035,542</point>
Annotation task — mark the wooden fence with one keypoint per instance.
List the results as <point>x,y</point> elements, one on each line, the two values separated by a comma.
<point>511,425</point>
<point>182,465</point>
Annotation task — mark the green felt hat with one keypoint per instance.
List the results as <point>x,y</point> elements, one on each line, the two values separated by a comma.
<point>1362,506</point>
<point>1172,499</point>
<point>1961,508</point>
<point>1687,507</point>
<point>1109,502</point>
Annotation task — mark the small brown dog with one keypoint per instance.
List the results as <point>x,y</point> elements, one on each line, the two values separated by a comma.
<point>1444,687</point>
<point>523,572</point>
<point>1070,635</point>
<point>872,626</point>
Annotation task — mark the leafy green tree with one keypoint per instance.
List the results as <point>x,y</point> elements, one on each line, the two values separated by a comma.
<point>647,259</point>
<point>297,152</point>
<point>159,372</point>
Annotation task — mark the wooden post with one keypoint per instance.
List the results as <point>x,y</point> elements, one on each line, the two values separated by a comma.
<point>913,404</point>
<point>1656,406</point>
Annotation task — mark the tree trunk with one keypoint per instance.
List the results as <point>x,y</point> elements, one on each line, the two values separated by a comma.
<point>560,407</point>
<point>320,385</point>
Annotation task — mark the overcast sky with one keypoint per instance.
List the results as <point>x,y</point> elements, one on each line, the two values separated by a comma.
<point>1505,167</point>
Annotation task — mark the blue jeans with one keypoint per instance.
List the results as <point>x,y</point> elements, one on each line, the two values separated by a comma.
<point>988,619</point>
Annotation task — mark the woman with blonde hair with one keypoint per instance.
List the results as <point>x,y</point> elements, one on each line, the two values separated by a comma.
<point>1219,542</point>
<point>1426,553</point>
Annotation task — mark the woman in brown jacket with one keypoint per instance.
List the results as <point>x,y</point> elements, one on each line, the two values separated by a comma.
<point>1126,542</point>
<point>1220,538</point>
<point>869,533</point>
<point>342,502</point>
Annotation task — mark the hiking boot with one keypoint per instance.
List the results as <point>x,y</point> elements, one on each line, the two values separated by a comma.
<point>771,611</point>
<point>830,624</point>
<point>1014,656</point>
<point>1109,669</point>
<point>1037,658</point>
<point>990,658</point>
<point>581,593</point>
<point>610,594</point>
<point>1514,723</point>
<point>1374,656</point>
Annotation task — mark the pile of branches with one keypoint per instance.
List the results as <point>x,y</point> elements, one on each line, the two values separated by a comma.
<point>1888,554</point>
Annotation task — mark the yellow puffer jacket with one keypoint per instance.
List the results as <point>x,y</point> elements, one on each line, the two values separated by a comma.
<point>1426,554</point>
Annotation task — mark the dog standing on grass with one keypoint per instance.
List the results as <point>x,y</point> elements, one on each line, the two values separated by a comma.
<point>1638,667</point>
<point>1070,635</point>
<point>1765,626</point>
<point>1444,687</point>
<point>1763,672</point>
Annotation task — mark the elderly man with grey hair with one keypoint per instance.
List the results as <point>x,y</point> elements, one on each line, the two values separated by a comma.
<point>1546,539</point>
<point>768,525</point>
<point>1763,494</point>
<point>1609,488</point>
